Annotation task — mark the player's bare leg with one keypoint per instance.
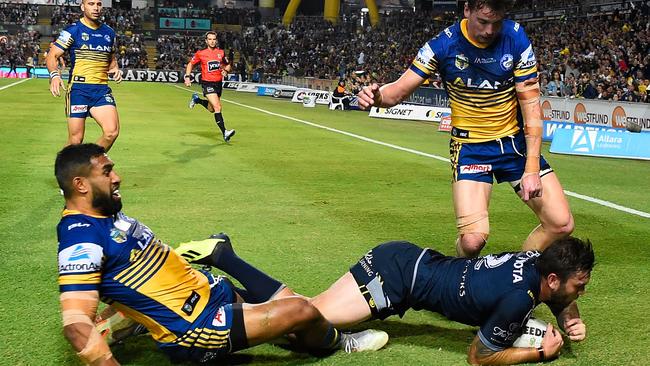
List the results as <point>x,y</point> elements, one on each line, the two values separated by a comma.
<point>343,294</point>
<point>107,118</point>
<point>76,130</point>
<point>554,214</point>
<point>471,202</point>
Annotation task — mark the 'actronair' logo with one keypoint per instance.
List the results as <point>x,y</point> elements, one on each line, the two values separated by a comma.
<point>80,258</point>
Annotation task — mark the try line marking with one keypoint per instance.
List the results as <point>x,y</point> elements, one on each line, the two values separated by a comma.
<point>416,152</point>
<point>12,84</point>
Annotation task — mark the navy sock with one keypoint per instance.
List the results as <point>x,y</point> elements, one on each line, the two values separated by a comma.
<point>259,286</point>
<point>219,119</point>
<point>332,338</point>
<point>203,102</point>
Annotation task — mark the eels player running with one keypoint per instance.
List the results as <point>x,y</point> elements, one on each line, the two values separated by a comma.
<point>214,63</point>
<point>490,73</point>
<point>92,58</point>
<point>192,314</point>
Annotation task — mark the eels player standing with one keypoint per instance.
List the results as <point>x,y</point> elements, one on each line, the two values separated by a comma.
<point>213,62</point>
<point>490,73</point>
<point>92,58</point>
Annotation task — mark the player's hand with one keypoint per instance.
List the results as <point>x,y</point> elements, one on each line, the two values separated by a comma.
<point>575,329</point>
<point>116,74</point>
<point>55,86</point>
<point>552,342</point>
<point>369,96</point>
<point>224,74</point>
<point>531,186</point>
<point>188,82</point>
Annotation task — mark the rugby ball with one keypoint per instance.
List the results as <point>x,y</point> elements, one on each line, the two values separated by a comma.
<point>532,334</point>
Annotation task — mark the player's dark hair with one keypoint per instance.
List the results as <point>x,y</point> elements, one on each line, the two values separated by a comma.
<point>74,161</point>
<point>566,257</point>
<point>499,6</point>
<point>209,33</point>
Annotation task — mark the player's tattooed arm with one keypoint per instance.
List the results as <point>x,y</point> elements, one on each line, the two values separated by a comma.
<point>480,354</point>
<point>568,319</point>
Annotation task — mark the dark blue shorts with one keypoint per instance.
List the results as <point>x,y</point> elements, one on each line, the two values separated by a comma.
<point>82,97</point>
<point>503,159</point>
<point>218,331</point>
<point>385,277</point>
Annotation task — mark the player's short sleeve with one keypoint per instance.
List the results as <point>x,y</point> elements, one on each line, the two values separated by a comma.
<point>80,257</point>
<point>524,58</point>
<point>196,58</point>
<point>425,63</point>
<point>504,325</point>
<point>66,38</point>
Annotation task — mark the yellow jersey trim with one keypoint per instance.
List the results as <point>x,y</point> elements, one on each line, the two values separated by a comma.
<point>463,29</point>
<point>67,212</point>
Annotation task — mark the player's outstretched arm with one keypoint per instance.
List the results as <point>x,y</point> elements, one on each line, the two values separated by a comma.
<point>52,63</point>
<point>528,98</point>
<point>568,319</point>
<point>78,309</point>
<point>480,354</point>
<point>390,94</point>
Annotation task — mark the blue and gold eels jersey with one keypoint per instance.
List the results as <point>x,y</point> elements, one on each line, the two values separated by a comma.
<point>480,80</point>
<point>91,51</point>
<point>137,274</point>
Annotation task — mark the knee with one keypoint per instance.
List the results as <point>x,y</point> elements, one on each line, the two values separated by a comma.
<point>470,244</point>
<point>302,311</point>
<point>111,134</point>
<point>564,226</point>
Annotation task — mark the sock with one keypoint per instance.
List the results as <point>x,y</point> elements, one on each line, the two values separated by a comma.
<point>332,338</point>
<point>259,286</point>
<point>203,102</point>
<point>219,119</point>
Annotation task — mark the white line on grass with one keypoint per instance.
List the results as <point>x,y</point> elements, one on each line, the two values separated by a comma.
<point>12,84</point>
<point>363,138</point>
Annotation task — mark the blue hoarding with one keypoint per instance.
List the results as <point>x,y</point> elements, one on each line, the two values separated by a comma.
<point>602,143</point>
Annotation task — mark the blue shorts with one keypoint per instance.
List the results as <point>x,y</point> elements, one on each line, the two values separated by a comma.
<point>385,277</point>
<point>82,97</point>
<point>218,331</point>
<point>503,159</point>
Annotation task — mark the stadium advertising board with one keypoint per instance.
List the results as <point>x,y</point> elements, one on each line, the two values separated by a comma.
<point>602,143</point>
<point>322,97</point>
<point>105,3</point>
<point>551,126</point>
<point>410,112</point>
<point>596,113</point>
<point>184,23</point>
<point>265,91</point>
<point>171,23</point>
<point>429,97</point>
<point>284,92</point>
<point>248,87</point>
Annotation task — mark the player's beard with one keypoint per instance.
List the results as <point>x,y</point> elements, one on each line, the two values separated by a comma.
<point>560,298</point>
<point>105,203</point>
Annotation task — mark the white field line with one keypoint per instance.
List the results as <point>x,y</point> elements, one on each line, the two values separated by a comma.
<point>416,152</point>
<point>12,84</point>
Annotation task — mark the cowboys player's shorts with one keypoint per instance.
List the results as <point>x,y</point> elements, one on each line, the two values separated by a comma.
<point>503,159</point>
<point>212,87</point>
<point>218,331</point>
<point>385,277</point>
<point>82,97</point>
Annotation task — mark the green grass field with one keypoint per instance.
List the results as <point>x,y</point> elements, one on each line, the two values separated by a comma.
<point>302,203</point>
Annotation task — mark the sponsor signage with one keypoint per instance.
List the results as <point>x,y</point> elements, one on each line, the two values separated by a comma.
<point>171,23</point>
<point>429,97</point>
<point>595,112</point>
<point>322,97</point>
<point>184,23</point>
<point>198,24</point>
<point>265,91</point>
<point>602,143</point>
<point>551,126</point>
<point>445,123</point>
<point>410,112</point>
<point>284,92</point>
<point>247,87</point>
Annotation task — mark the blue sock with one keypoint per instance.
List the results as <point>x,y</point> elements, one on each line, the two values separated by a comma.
<point>259,286</point>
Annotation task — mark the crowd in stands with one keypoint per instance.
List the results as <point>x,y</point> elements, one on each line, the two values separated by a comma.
<point>131,52</point>
<point>604,57</point>
<point>120,20</point>
<point>20,49</point>
<point>17,13</point>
